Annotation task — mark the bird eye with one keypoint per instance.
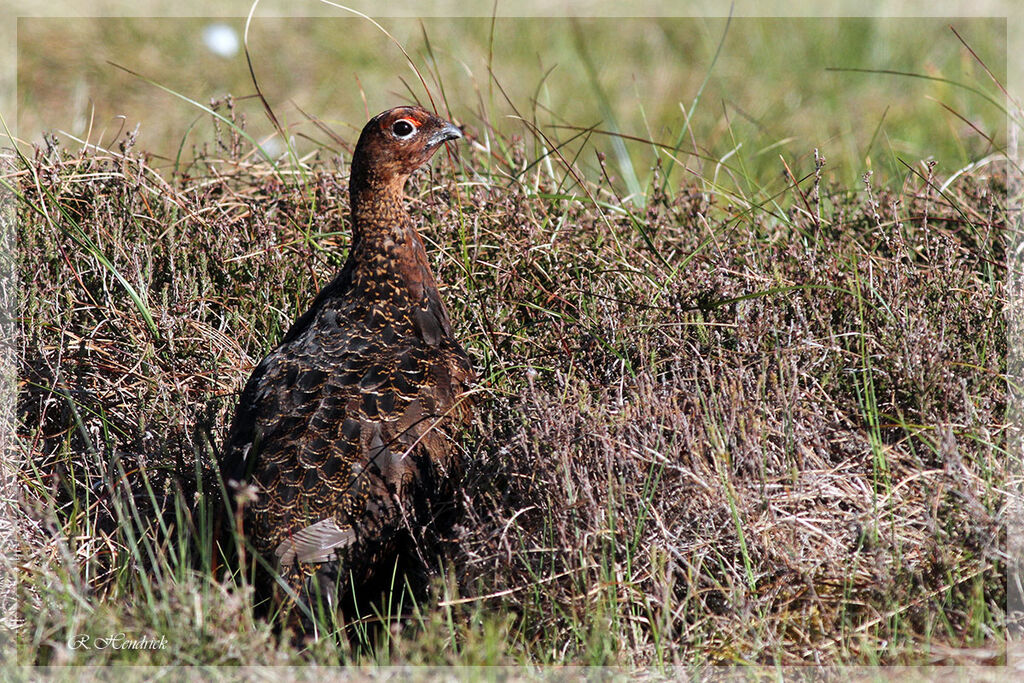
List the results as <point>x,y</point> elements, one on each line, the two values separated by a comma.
<point>403,128</point>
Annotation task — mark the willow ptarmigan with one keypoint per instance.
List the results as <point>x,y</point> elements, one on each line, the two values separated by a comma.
<point>343,431</point>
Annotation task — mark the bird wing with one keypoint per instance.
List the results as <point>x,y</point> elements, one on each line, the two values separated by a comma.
<point>314,543</point>
<point>334,429</point>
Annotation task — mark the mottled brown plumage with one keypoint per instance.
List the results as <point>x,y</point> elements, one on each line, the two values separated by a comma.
<point>344,429</point>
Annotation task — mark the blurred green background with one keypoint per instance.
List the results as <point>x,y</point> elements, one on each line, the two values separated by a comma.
<point>769,92</point>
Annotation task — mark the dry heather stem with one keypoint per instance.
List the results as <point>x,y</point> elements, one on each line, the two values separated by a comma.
<point>780,438</point>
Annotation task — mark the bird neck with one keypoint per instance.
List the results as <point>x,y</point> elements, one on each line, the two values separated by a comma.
<point>373,197</point>
<point>386,246</point>
<point>378,212</point>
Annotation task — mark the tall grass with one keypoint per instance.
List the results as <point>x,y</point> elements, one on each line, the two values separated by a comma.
<point>735,408</point>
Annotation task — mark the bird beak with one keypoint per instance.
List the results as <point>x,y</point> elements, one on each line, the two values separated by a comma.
<point>446,132</point>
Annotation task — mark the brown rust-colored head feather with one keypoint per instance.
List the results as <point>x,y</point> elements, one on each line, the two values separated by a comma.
<point>395,143</point>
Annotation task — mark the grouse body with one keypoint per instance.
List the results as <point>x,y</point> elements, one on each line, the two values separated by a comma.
<point>343,432</point>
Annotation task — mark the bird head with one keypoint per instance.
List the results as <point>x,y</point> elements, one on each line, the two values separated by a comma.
<point>396,142</point>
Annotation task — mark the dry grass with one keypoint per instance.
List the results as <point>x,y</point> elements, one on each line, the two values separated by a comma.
<point>652,71</point>
<point>716,429</point>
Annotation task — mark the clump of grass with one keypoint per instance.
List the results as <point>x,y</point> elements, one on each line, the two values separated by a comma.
<point>720,425</point>
<point>794,466</point>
